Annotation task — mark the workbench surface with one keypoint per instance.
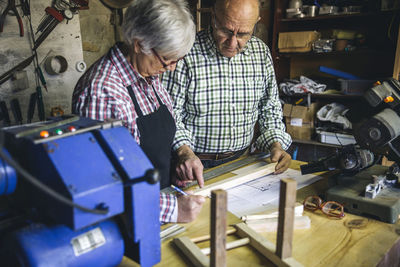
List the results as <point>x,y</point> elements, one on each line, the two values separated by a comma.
<point>351,241</point>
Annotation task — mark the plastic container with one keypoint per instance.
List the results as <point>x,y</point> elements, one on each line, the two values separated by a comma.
<point>355,87</point>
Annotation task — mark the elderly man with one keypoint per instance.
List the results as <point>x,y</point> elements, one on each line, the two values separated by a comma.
<point>124,84</point>
<point>224,85</point>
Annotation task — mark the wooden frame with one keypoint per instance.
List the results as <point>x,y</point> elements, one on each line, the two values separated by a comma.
<point>280,256</point>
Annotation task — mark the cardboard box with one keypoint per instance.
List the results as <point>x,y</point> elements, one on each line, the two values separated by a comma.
<point>300,120</point>
<point>297,41</point>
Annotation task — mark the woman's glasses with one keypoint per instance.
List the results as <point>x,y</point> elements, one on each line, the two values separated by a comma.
<point>165,65</point>
<point>330,208</point>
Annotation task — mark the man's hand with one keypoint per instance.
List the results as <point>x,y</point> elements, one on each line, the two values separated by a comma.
<point>189,206</point>
<point>189,167</point>
<point>281,156</point>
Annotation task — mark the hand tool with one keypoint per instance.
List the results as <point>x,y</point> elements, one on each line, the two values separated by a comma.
<point>47,25</point>
<point>25,6</point>
<point>20,66</point>
<point>4,110</point>
<point>41,77</point>
<point>31,107</point>
<point>11,7</point>
<point>16,109</point>
<point>40,103</point>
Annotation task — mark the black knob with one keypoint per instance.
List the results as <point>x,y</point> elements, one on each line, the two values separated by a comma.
<point>152,176</point>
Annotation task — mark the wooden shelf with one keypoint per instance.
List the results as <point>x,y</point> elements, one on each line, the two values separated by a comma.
<point>334,53</point>
<point>338,16</point>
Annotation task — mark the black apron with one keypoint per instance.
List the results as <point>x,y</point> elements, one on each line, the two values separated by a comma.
<point>157,131</point>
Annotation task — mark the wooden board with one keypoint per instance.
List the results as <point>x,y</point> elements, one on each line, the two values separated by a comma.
<point>236,180</point>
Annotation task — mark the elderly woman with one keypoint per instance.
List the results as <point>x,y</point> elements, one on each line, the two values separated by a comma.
<point>124,84</point>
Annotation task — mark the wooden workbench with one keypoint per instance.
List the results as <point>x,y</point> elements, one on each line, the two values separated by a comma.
<point>351,241</point>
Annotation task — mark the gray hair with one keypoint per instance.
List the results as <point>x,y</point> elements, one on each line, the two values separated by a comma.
<point>165,25</point>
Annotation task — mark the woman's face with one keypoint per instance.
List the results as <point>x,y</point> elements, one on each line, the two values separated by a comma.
<point>154,63</point>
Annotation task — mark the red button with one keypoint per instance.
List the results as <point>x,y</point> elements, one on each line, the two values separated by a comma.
<point>71,129</point>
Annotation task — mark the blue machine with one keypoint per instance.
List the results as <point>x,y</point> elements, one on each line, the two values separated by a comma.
<point>97,198</point>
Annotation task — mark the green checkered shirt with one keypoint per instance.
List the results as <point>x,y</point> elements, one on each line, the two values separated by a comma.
<point>218,100</point>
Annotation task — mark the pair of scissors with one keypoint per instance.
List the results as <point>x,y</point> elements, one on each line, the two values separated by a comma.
<point>11,7</point>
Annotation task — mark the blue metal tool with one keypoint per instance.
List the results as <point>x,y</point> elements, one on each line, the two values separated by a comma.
<point>88,193</point>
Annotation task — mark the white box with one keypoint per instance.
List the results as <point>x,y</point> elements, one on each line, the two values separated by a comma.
<point>336,138</point>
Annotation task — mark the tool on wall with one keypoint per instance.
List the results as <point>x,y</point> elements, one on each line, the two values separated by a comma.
<point>11,7</point>
<point>4,111</point>
<point>54,15</point>
<point>31,107</point>
<point>16,110</point>
<point>20,66</point>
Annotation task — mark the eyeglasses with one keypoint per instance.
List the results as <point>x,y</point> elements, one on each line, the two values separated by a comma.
<point>165,65</point>
<point>241,36</point>
<point>330,208</point>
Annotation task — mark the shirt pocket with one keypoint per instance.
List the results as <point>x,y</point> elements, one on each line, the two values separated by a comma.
<point>248,95</point>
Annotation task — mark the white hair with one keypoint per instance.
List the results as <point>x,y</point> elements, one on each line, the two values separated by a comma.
<point>165,25</point>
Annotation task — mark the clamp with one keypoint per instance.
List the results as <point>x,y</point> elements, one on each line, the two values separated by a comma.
<point>11,7</point>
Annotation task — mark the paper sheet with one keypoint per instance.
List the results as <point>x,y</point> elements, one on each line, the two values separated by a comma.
<point>262,194</point>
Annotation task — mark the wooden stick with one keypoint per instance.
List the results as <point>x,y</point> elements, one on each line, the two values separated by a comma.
<point>192,252</point>
<point>287,199</point>
<point>264,246</point>
<point>236,180</point>
<point>207,237</point>
<point>396,69</point>
<point>230,245</point>
<point>218,228</point>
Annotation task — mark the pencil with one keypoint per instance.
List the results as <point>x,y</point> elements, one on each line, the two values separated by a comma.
<point>177,189</point>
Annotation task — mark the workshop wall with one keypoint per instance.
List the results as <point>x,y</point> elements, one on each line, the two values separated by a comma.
<point>97,29</point>
<point>64,40</point>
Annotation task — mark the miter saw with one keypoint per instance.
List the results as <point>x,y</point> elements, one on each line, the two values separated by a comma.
<point>76,192</point>
<point>364,190</point>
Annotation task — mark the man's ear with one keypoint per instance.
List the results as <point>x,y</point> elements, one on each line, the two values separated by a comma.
<point>258,19</point>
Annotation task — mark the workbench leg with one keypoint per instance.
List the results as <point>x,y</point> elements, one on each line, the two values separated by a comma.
<point>218,228</point>
<point>287,199</point>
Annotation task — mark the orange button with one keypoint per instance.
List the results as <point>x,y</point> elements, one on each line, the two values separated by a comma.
<point>44,134</point>
<point>388,99</point>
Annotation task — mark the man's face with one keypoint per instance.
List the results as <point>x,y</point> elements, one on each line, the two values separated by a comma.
<point>232,31</point>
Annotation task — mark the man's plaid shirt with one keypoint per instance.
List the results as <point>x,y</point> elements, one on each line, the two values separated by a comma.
<point>218,100</point>
<point>101,93</point>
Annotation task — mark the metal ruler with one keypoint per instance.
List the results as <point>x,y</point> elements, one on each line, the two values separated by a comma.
<point>228,167</point>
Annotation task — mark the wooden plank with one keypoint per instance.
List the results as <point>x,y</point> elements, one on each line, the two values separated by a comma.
<point>264,246</point>
<point>230,245</point>
<point>191,251</point>
<point>218,228</point>
<point>236,180</point>
<point>396,69</point>
<point>207,237</point>
<point>287,200</point>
